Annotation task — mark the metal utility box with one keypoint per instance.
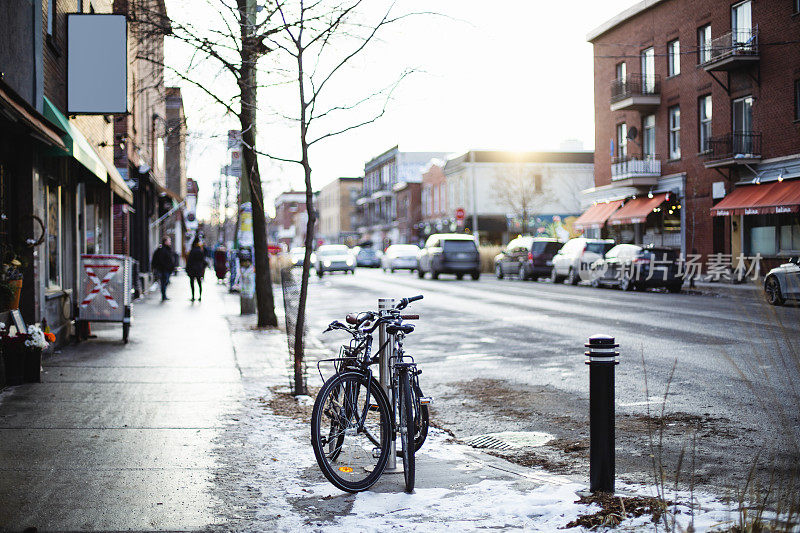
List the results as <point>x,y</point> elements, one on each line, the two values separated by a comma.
<point>105,291</point>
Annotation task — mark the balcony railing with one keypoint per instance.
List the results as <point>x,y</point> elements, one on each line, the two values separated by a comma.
<point>635,85</point>
<point>647,166</point>
<point>735,44</point>
<point>741,145</point>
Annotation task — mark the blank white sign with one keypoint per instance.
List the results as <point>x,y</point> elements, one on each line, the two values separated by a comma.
<point>97,64</point>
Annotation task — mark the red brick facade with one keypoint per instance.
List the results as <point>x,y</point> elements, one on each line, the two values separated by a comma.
<point>770,81</point>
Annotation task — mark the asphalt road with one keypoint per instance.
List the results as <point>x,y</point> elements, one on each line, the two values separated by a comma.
<point>507,355</point>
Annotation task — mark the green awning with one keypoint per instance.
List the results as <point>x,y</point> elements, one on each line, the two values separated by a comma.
<point>76,144</point>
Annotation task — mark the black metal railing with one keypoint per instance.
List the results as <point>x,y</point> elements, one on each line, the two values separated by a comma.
<point>635,85</point>
<point>733,43</point>
<point>743,145</point>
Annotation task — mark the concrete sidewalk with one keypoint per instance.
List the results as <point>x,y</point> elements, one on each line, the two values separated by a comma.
<point>172,432</point>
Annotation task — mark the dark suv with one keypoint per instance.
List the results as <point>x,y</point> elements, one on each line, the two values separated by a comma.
<point>450,253</point>
<point>527,258</point>
<point>632,267</point>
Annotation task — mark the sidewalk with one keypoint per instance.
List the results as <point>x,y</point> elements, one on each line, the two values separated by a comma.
<point>174,431</point>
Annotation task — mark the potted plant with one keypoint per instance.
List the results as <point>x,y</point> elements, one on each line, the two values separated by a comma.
<point>22,354</point>
<point>10,282</point>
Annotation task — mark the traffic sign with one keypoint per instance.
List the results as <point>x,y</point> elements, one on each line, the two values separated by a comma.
<point>460,214</point>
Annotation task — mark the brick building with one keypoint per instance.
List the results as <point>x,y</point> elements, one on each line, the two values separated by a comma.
<point>337,211</point>
<point>290,218</point>
<point>58,184</point>
<point>697,127</point>
<point>409,212</point>
<point>435,216</point>
<point>378,201</point>
<point>140,135</point>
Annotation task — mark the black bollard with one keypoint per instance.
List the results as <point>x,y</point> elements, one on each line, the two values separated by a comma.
<point>601,357</point>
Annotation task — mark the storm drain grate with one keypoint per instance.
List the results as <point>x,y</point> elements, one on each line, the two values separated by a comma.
<point>509,440</point>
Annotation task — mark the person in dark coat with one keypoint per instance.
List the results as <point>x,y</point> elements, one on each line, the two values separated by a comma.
<point>196,267</point>
<point>163,263</point>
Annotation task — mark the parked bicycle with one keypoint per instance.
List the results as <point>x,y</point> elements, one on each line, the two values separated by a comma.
<point>354,422</point>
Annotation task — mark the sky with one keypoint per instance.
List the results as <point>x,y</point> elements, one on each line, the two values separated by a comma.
<point>517,76</point>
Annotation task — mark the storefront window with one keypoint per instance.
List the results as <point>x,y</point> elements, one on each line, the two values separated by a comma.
<point>790,236</point>
<point>53,230</point>
<point>762,240</point>
<point>771,235</point>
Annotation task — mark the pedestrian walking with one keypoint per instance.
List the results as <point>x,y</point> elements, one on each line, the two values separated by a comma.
<point>221,263</point>
<point>163,263</point>
<point>196,267</point>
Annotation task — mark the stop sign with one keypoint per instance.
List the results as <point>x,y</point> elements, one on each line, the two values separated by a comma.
<point>460,214</point>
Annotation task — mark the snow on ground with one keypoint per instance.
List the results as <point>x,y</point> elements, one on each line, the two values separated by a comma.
<point>293,475</point>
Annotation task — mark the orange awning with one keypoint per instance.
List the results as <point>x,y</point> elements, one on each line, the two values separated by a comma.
<point>595,217</point>
<point>636,210</point>
<point>765,198</point>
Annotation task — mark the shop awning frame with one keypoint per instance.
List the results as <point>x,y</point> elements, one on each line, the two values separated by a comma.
<point>635,211</point>
<point>77,146</point>
<point>20,111</point>
<point>761,199</point>
<point>596,216</point>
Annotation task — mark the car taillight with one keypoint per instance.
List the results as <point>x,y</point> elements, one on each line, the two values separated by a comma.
<point>641,260</point>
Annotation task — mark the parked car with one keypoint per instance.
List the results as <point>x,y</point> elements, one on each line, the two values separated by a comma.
<point>783,282</point>
<point>368,257</point>
<point>334,258</point>
<point>526,258</point>
<point>400,257</point>
<point>450,253</point>
<point>576,256</point>
<point>296,255</point>
<point>629,266</point>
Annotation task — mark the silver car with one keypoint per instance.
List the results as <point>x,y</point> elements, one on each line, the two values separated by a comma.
<point>783,282</point>
<point>334,258</point>
<point>400,256</point>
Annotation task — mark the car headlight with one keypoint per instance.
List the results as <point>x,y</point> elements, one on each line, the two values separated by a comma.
<point>349,261</point>
<point>326,263</point>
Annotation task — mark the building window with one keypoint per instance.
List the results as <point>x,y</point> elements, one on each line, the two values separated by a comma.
<point>622,141</point>
<point>621,71</point>
<point>743,115</point>
<point>53,232</point>
<point>704,44</point>
<point>648,70</point>
<point>537,183</point>
<point>741,22</point>
<point>674,58</point>
<point>649,137</point>
<point>742,125</point>
<point>675,132</point>
<point>704,114</point>
<point>797,6</point>
<point>789,240</point>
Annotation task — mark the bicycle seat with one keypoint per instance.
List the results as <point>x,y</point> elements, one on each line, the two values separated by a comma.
<point>392,329</point>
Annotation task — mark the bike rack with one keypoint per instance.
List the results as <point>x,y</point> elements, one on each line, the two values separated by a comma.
<point>384,374</point>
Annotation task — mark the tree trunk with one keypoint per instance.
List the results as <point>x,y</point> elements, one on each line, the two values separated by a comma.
<point>299,384</point>
<point>265,300</point>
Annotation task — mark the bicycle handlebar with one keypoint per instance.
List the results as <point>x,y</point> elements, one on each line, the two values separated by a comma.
<point>405,301</point>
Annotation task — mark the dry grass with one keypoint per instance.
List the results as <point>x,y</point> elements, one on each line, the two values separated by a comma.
<point>488,254</point>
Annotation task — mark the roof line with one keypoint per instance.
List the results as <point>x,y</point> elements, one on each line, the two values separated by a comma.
<point>621,17</point>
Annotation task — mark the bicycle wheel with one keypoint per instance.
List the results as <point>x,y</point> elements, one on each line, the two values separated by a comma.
<point>407,429</point>
<point>421,422</point>
<point>350,431</point>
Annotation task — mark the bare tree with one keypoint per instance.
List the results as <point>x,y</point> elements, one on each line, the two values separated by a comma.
<point>234,42</point>
<point>520,188</point>
<point>318,39</point>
